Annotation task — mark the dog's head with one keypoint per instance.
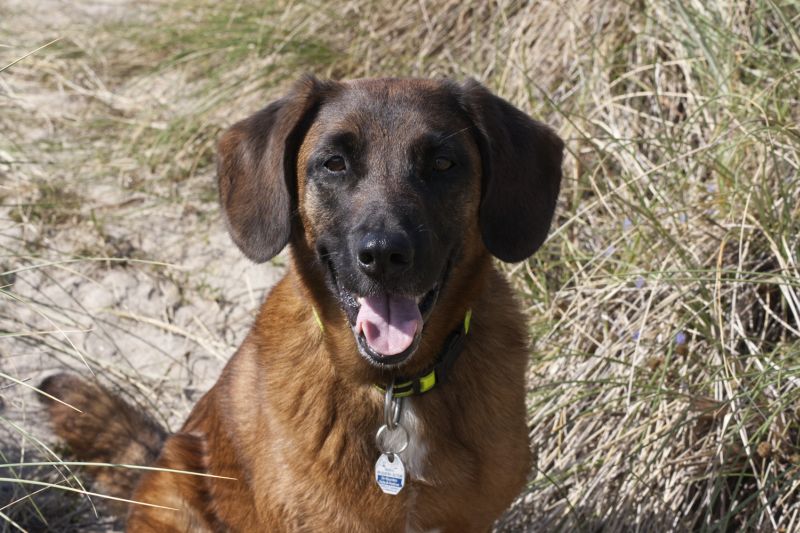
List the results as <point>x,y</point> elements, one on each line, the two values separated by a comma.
<point>390,187</point>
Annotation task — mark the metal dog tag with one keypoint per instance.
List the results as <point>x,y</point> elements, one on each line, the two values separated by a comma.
<point>390,473</point>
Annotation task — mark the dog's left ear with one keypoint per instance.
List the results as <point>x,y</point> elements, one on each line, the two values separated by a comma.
<point>256,174</point>
<point>521,161</point>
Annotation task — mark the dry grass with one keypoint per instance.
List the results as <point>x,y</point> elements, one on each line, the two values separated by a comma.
<point>666,304</point>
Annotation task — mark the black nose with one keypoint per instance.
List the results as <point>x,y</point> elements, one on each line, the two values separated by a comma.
<point>384,255</point>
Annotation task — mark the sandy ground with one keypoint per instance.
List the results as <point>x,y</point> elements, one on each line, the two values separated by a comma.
<point>161,318</point>
<point>176,296</point>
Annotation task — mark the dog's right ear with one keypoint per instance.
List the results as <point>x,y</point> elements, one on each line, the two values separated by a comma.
<point>256,170</point>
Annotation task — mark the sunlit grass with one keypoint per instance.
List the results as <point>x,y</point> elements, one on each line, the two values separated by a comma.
<point>665,379</point>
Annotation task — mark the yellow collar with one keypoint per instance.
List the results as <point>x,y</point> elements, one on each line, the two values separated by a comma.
<point>453,347</point>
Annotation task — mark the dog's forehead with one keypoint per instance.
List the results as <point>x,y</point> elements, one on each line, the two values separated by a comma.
<point>393,106</point>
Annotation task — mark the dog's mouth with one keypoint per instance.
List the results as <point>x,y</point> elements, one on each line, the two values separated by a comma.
<point>387,326</point>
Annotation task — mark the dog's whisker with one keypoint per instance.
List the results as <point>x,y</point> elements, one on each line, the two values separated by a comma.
<point>451,135</point>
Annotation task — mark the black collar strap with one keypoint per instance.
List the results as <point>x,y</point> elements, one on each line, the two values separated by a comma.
<point>453,346</point>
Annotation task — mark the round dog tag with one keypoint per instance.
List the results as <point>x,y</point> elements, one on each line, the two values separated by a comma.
<point>390,473</point>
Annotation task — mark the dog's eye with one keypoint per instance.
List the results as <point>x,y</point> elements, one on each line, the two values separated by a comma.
<point>335,164</point>
<point>440,164</point>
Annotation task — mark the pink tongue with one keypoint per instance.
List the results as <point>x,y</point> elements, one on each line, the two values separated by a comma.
<point>389,323</point>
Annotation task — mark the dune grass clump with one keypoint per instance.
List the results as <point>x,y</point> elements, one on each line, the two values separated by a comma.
<point>664,383</point>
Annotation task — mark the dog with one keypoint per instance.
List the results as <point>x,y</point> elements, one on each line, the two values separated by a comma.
<point>393,196</point>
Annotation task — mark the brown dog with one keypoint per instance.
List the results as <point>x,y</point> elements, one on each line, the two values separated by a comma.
<point>393,194</point>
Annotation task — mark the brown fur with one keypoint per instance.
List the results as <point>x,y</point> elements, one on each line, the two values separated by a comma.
<point>293,416</point>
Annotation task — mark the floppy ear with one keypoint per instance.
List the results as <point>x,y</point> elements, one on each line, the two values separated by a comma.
<point>521,174</point>
<point>256,170</point>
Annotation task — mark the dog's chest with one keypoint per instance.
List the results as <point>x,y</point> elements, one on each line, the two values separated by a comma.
<point>415,456</point>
